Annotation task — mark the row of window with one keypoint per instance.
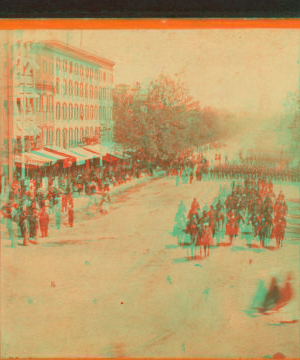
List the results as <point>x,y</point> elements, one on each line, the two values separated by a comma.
<point>68,137</point>
<point>45,104</point>
<point>79,111</point>
<point>64,66</point>
<point>32,105</point>
<point>89,92</point>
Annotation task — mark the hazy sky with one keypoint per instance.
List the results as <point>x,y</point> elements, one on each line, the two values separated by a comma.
<point>247,70</point>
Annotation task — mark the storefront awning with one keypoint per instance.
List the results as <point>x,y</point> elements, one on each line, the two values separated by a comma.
<point>45,154</point>
<point>96,149</point>
<point>32,159</point>
<point>55,157</point>
<point>71,155</point>
<point>85,153</point>
<point>109,158</point>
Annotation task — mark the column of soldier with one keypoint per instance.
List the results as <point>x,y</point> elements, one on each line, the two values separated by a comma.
<point>251,209</point>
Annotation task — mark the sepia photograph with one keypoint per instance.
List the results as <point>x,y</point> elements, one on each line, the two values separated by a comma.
<point>149,192</point>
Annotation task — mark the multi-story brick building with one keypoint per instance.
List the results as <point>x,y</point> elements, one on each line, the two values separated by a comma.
<point>75,102</point>
<point>54,95</point>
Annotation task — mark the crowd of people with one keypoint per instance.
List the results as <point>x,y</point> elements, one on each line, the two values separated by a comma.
<point>28,210</point>
<point>251,209</point>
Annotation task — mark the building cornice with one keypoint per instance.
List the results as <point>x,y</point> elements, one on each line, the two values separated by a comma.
<point>75,53</point>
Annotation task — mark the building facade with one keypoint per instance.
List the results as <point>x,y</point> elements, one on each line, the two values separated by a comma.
<point>58,95</point>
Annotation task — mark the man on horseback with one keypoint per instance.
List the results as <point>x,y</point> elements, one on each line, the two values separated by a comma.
<point>191,228</point>
<point>219,216</point>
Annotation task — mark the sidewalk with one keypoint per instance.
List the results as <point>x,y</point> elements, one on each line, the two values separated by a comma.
<point>80,209</point>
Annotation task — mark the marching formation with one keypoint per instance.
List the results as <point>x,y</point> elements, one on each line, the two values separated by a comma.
<point>251,209</point>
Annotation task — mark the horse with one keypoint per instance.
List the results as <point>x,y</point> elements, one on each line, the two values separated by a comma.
<point>192,229</point>
<point>219,218</point>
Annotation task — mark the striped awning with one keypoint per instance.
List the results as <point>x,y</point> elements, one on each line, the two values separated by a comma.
<point>96,149</point>
<point>66,152</point>
<point>32,159</point>
<point>82,152</point>
<point>55,157</point>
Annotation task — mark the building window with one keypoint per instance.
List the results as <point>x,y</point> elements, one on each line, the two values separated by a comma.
<point>76,136</point>
<point>19,105</point>
<point>76,112</point>
<point>50,103</point>
<point>51,68</point>
<point>45,66</point>
<point>91,112</point>
<point>104,113</point>
<point>91,91</point>
<point>65,65</point>
<point>100,75</point>
<point>87,72</point>
<point>104,93</point>
<point>44,103</point>
<point>81,112</point>
<point>48,136</point>
<point>86,112</point>
<point>86,91</point>
<point>57,66</point>
<point>81,134</point>
<point>71,67</point>
<point>91,73</point>
<point>70,137</point>
<point>91,131</point>
<point>57,86</point>
<point>76,68</point>
<point>96,113</point>
<point>64,111</point>
<point>96,93</point>
<point>104,76</point>
<point>100,93</point>
<point>37,105</point>
<point>87,131</point>
<point>65,138</point>
<point>70,111</point>
<point>81,90</point>
<point>51,137</point>
<point>58,111</point>
<point>26,105</point>
<point>44,137</point>
<point>76,88</point>
<point>65,87</point>
<point>58,137</point>
<point>31,105</point>
<point>70,88</point>
<point>100,113</point>
<point>96,75</point>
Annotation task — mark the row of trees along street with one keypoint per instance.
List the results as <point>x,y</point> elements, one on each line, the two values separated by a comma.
<point>162,118</point>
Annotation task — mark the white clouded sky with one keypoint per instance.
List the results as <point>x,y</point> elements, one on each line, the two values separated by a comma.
<point>247,70</point>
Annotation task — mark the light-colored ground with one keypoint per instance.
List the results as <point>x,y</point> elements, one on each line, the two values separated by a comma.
<point>123,287</point>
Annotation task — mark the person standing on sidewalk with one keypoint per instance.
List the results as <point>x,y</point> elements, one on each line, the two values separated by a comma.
<point>44,222</point>
<point>57,217</point>
<point>25,229</point>
<point>64,202</point>
<point>71,215</point>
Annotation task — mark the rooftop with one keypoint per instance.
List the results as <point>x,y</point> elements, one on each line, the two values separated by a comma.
<point>75,53</point>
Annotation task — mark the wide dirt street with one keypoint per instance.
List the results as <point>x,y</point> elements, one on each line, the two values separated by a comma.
<point>118,285</point>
